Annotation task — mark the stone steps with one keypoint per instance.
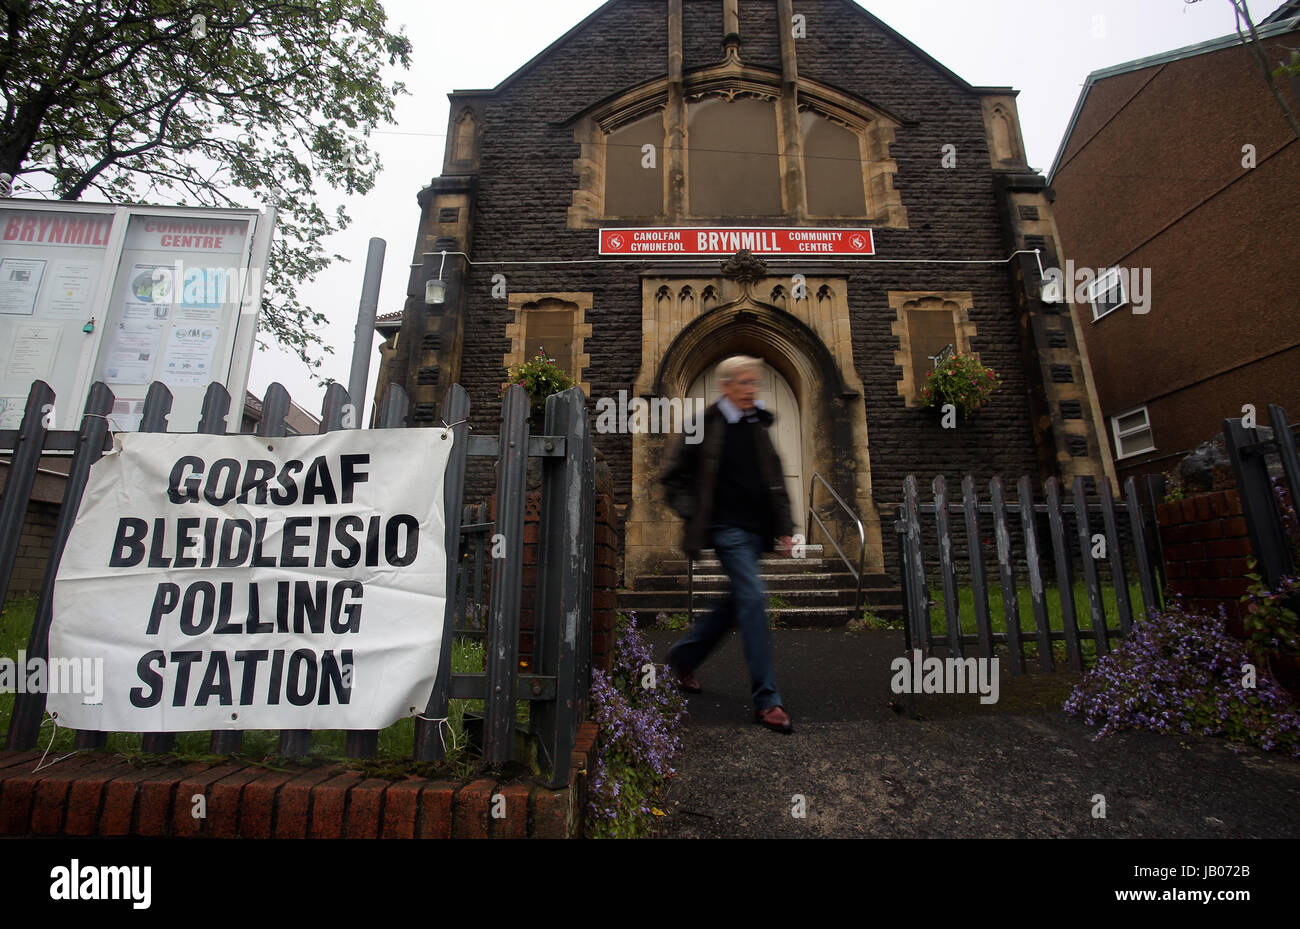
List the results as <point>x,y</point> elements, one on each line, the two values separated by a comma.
<point>819,581</point>
<point>813,591</point>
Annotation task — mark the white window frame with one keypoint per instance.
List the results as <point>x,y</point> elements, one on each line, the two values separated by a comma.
<point>1118,436</point>
<point>1096,287</point>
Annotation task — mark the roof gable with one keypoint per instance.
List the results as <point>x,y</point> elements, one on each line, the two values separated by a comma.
<point>850,4</point>
<point>1288,10</point>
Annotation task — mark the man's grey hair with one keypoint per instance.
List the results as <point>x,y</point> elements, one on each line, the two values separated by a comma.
<point>733,367</point>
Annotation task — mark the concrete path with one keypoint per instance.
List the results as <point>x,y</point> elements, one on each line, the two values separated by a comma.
<point>951,768</point>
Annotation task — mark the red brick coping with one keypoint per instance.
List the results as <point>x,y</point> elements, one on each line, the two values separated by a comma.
<point>95,794</point>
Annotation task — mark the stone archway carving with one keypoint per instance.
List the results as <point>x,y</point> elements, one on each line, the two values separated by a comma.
<point>810,345</point>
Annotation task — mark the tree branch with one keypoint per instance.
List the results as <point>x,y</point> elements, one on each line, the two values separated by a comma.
<point>1244,13</point>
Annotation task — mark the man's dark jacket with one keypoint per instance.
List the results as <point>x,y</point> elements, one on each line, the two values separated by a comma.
<point>692,474</point>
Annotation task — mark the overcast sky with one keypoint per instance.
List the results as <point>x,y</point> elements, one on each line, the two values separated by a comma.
<point>1043,48</point>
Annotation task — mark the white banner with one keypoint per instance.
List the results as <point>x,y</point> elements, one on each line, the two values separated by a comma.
<point>236,582</point>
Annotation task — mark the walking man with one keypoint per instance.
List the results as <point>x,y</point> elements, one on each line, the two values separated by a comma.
<point>730,490</point>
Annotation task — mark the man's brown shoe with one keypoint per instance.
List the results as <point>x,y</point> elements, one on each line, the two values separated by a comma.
<point>688,683</point>
<point>776,719</point>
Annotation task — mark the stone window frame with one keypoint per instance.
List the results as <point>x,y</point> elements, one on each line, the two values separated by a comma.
<point>960,304</point>
<point>465,143</point>
<point>520,303</point>
<point>874,128</point>
<point>464,135</point>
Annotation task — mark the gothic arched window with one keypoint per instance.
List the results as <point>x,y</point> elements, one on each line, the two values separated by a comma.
<point>733,164</point>
<point>832,157</point>
<point>634,174</point>
<point>725,148</point>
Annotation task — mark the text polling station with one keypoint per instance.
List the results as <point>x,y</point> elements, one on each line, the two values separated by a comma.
<point>236,582</point>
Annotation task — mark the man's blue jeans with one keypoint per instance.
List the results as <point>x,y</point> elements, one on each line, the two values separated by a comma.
<point>745,606</point>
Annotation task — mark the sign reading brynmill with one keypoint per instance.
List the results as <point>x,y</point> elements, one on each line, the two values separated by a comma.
<point>760,240</point>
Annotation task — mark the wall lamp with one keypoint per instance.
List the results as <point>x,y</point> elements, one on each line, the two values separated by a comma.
<point>435,292</point>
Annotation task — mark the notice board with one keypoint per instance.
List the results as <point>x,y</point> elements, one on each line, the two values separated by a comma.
<point>128,295</point>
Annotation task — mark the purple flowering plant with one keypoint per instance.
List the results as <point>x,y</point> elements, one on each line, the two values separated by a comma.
<point>1181,672</point>
<point>638,740</point>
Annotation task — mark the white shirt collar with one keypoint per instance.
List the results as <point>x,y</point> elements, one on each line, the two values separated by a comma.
<point>733,413</point>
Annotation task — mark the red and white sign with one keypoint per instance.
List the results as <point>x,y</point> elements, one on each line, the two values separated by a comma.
<point>86,230</point>
<point>171,233</point>
<point>761,240</point>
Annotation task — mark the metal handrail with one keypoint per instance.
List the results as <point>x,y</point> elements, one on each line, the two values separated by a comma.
<point>862,551</point>
<point>862,534</point>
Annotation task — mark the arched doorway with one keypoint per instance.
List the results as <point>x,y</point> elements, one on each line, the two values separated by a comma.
<point>786,433</point>
<point>689,324</point>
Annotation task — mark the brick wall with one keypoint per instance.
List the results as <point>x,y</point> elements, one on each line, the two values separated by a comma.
<point>95,794</point>
<point>604,581</point>
<point>1206,543</point>
<point>33,548</point>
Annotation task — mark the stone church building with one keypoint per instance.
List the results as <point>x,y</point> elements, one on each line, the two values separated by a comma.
<point>717,114</point>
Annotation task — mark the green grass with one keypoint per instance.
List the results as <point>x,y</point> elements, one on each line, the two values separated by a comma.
<point>262,746</point>
<point>15,628</point>
<point>997,615</point>
<point>1028,626</point>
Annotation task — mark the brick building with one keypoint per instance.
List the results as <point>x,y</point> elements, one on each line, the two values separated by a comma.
<point>758,113</point>
<point>1181,170</point>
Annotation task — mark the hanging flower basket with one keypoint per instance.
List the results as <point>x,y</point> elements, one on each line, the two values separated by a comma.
<point>962,381</point>
<point>540,376</point>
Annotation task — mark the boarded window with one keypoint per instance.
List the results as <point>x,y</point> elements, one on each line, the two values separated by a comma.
<point>929,333</point>
<point>549,324</point>
<point>733,166</point>
<point>832,168</point>
<point>466,136</point>
<point>634,175</point>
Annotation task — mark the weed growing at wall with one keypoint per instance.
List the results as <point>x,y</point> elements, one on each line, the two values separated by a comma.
<point>639,714</point>
<point>1270,623</point>
<point>672,622</point>
<point>871,620</point>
